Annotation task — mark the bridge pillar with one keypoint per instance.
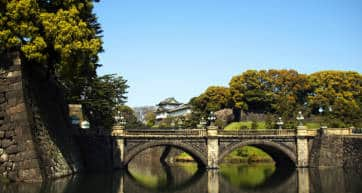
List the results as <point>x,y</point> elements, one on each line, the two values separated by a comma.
<point>212,181</point>
<point>118,147</point>
<point>303,180</point>
<point>212,148</point>
<point>302,147</point>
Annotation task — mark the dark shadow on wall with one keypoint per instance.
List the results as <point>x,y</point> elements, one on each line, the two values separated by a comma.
<point>52,132</point>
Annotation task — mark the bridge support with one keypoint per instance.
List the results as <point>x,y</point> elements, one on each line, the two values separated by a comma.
<point>302,147</point>
<point>212,181</point>
<point>212,147</point>
<point>303,180</point>
<point>118,147</point>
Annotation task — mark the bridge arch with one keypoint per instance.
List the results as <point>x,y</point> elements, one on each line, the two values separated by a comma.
<point>199,157</point>
<point>282,155</point>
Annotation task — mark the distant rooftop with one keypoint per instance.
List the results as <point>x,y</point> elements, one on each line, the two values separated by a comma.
<point>169,101</point>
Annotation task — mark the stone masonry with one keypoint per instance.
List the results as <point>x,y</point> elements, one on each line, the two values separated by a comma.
<point>36,139</point>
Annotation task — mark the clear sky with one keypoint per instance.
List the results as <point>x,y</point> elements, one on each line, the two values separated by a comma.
<point>177,48</point>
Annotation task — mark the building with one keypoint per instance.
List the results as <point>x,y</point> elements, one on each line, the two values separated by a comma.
<point>170,107</point>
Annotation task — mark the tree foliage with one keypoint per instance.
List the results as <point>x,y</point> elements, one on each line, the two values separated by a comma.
<point>278,91</point>
<point>213,99</point>
<point>285,92</point>
<point>338,93</point>
<point>129,114</point>
<point>150,118</point>
<point>63,39</point>
<point>102,97</point>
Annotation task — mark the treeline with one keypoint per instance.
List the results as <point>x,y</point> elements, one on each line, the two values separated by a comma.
<point>334,95</point>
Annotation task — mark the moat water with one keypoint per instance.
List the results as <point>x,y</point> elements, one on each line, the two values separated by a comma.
<point>186,178</point>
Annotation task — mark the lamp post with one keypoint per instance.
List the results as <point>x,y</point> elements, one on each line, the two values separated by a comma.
<point>280,123</point>
<point>320,110</point>
<point>202,123</point>
<point>173,124</point>
<point>300,118</point>
<point>123,121</point>
<point>180,123</point>
<point>212,129</point>
<point>211,118</point>
<point>117,117</point>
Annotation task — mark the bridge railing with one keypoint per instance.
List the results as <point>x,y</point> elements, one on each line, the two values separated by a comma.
<point>284,132</point>
<point>165,132</point>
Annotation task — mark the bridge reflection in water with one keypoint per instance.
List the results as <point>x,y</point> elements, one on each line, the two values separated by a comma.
<point>184,179</point>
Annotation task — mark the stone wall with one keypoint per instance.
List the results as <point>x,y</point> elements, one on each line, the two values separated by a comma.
<point>336,151</point>
<point>36,137</point>
<point>352,152</point>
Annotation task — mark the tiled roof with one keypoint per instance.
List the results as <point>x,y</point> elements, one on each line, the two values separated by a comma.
<point>169,101</point>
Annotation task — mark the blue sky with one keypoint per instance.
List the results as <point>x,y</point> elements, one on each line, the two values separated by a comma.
<point>177,48</point>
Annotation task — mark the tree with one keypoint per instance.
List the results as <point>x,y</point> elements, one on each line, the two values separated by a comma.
<point>251,92</point>
<point>213,99</point>
<point>338,93</point>
<point>290,90</point>
<point>61,37</point>
<point>150,119</point>
<point>128,113</point>
<point>102,97</point>
<point>272,91</point>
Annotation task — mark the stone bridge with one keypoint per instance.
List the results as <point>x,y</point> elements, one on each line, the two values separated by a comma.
<point>209,146</point>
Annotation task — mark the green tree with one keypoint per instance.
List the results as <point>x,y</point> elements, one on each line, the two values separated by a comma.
<point>338,93</point>
<point>213,99</point>
<point>102,97</point>
<point>60,37</point>
<point>150,119</point>
<point>250,91</point>
<point>269,91</point>
<point>290,90</point>
<point>128,113</point>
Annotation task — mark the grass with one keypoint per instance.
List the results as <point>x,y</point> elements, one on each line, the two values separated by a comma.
<point>239,125</point>
<point>313,125</point>
<point>246,154</point>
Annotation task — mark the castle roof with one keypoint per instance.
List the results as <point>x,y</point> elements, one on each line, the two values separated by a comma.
<point>169,101</point>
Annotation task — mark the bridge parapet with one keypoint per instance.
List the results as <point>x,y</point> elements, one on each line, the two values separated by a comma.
<point>164,132</point>
<point>337,131</point>
<point>266,132</point>
<point>118,131</point>
<point>214,132</point>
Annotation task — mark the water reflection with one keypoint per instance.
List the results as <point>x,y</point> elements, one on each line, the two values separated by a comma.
<point>162,177</point>
<point>247,176</point>
<point>187,179</point>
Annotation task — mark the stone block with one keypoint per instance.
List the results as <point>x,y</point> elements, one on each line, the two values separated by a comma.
<point>17,108</point>
<point>6,143</point>
<point>11,102</point>
<point>2,134</point>
<point>2,99</point>
<point>12,149</point>
<point>13,74</point>
<point>9,134</point>
<point>13,175</point>
<point>2,169</point>
<point>21,116</point>
<point>4,158</point>
<point>16,86</point>
<point>5,127</point>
